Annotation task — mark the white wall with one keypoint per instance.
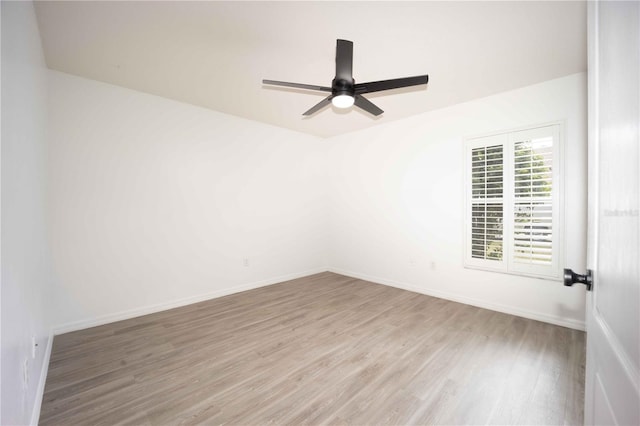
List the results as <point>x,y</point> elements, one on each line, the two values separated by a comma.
<point>396,201</point>
<point>155,203</point>
<point>25,261</point>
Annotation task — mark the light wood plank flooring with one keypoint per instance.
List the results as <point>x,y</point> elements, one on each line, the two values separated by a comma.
<point>318,350</point>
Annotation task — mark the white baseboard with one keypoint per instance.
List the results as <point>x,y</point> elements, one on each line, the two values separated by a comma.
<point>150,309</point>
<point>35,413</point>
<point>539,316</point>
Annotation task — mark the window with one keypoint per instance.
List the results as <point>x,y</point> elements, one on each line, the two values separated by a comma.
<point>513,211</point>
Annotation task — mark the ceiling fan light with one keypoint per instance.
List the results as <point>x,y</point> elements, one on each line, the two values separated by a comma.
<point>342,101</point>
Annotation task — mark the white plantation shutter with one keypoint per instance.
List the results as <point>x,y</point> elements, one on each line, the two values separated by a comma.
<point>485,209</point>
<point>486,231</point>
<point>533,233</point>
<point>513,204</point>
<point>535,244</point>
<point>487,186</point>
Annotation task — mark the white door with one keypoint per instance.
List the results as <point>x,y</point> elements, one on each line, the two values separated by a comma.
<point>613,307</point>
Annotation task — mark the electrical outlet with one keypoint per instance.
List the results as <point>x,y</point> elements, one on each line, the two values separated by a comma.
<point>412,262</point>
<point>433,266</point>
<point>245,262</point>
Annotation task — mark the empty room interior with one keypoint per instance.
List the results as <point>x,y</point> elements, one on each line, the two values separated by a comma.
<point>357,213</point>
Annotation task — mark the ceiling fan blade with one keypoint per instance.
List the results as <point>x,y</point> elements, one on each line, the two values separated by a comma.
<point>396,83</point>
<point>317,107</point>
<point>365,104</point>
<point>344,60</point>
<point>297,85</point>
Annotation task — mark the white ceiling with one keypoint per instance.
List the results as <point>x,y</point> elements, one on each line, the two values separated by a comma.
<point>215,54</point>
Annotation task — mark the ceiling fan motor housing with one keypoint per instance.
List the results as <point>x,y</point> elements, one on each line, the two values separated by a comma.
<point>343,87</point>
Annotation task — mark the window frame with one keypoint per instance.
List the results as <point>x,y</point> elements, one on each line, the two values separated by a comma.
<point>508,138</point>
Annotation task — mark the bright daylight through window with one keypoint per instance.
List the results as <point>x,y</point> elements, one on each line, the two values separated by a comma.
<point>513,211</point>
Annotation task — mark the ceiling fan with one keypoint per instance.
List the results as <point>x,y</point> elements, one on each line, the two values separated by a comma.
<point>344,90</point>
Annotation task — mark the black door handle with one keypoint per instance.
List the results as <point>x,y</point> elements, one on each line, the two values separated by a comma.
<point>571,278</point>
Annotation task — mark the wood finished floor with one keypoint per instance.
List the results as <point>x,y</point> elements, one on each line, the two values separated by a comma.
<point>325,349</point>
